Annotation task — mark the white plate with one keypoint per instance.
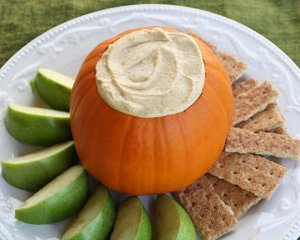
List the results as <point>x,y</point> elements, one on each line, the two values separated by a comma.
<point>64,47</point>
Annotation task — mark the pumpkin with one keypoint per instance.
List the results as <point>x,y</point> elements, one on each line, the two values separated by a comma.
<point>142,156</point>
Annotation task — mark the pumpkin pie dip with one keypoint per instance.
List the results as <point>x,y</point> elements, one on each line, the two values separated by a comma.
<point>151,73</point>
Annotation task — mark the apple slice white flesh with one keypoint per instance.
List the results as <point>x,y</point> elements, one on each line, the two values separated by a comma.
<point>58,200</point>
<point>95,220</point>
<point>172,221</point>
<point>32,171</point>
<point>132,221</point>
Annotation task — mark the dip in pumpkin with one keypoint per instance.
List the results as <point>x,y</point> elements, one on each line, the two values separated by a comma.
<point>151,73</point>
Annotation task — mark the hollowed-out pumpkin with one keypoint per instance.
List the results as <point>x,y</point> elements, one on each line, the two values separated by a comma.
<point>150,155</point>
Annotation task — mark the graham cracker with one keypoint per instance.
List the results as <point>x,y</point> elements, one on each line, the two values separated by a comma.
<point>266,120</point>
<point>243,86</point>
<point>279,130</point>
<point>252,173</point>
<point>262,143</point>
<point>208,43</point>
<point>234,67</point>
<point>208,212</point>
<point>253,101</point>
<point>238,199</point>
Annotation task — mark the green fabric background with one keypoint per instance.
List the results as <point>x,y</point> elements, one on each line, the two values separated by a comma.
<point>23,20</point>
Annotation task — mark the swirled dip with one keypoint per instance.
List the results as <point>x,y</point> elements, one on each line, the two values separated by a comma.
<point>151,73</point>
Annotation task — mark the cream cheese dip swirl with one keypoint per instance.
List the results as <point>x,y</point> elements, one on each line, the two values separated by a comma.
<point>151,73</point>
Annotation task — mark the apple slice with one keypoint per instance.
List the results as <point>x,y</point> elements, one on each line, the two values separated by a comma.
<point>54,88</point>
<point>95,220</point>
<point>172,221</point>
<point>37,126</point>
<point>132,221</point>
<point>58,200</point>
<point>31,172</point>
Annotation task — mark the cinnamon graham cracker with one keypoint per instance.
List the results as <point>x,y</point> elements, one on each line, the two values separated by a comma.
<point>266,120</point>
<point>208,212</point>
<point>262,143</point>
<point>238,199</point>
<point>234,67</point>
<point>243,86</point>
<point>253,101</point>
<point>252,173</point>
<point>279,130</point>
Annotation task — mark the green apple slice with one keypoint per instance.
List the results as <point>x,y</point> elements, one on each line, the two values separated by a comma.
<point>172,221</point>
<point>54,88</point>
<point>37,126</point>
<point>95,220</point>
<point>31,172</point>
<point>58,200</point>
<point>132,221</point>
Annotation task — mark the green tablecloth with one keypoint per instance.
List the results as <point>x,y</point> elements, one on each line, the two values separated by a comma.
<point>23,20</point>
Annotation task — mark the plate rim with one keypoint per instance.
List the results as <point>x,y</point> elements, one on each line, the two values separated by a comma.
<point>22,52</point>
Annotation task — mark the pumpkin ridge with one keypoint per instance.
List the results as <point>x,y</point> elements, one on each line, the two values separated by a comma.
<point>225,106</point>
<point>86,98</point>
<point>83,132</point>
<point>95,163</point>
<point>88,66</point>
<point>84,127</point>
<point>154,152</point>
<point>94,56</point>
<point>162,141</point>
<point>183,142</point>
<point>164,126</point>
<point>104,167</point>
<point>204,131</point>
<point>96,131</point>
<point>84,79</point>
<point>220,105</point>
<point>223,73</point>
<point>88,85</point>
<point>155,177</point>
<point>122,151</point>
<point>212,118</point>
<point>123,162</point>
<point>149,138</point>
<point>80,131</point>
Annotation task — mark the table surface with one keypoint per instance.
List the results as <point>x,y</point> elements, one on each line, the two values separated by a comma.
<point>23,20</point>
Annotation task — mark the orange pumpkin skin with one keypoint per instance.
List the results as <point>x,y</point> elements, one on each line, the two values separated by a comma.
<point>142,156</point>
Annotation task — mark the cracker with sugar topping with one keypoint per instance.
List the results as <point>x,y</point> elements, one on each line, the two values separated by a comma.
<point>279,130</point>
<point>234,67</point>
<point>262,143</point>
<point>253,101</point>
<point>238,199</point>
<point>210,215</point>
<point>267,120</point>
<point>255,174</point>
<point>243,86</point>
